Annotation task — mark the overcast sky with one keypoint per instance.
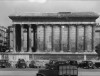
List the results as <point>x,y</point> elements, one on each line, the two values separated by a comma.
<point>8,7</point>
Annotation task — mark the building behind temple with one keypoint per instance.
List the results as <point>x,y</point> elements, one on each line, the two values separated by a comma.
<point>62,35</point>
<point>3,39</point>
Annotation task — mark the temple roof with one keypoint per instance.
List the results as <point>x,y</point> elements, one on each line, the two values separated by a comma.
<point>55,17</point>
<point>59,14</point>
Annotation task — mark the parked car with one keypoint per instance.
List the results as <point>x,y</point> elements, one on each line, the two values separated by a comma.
<point>86,64</point>
<point>97,64</point>
<point>73,62</point>
<point>61,62</point>
<point>4,64</point>
<point>21,64</point>
<point>50,65</point>
<point>32,64</point>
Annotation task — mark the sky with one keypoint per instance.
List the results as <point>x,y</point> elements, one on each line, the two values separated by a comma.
<point>9,7</point>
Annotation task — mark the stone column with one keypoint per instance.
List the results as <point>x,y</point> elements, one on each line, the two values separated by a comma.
<point>76,36</point>
<point>52,37</point>
<point>60,39</point>
<point>93,35</point>
<point>85,57</point>
<point>22,38</point>
<point>9,37</point>
<point>30,38</point>
<point>14,38</point>
<point>84,38</point>
<point>68,38</point>
<point>44,30</point>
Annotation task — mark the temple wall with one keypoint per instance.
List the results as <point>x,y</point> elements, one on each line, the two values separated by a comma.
<point>65,39</point>
<point>61,33</point>
<point>72,38</point>
<point>60,38</point>
<point>89,38</point>
<point>80,39</point>
<point>56,37</point>
<point>40,38</point>
<point>48,44</point>
<point>25,41</point>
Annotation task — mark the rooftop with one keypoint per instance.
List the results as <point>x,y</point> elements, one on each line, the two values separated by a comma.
<point>59,14</point>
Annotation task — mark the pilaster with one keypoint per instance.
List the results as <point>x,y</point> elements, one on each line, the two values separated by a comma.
<point>14,38</point>
<point>60,39</point>
<point>44,30</point>
<point>52,35</point>
<point>69,38</point>
<point>76,37</point>
<point>84,38</point>
<point>93,35</point>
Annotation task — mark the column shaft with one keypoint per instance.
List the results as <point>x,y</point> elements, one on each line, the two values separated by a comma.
<point>33,39</point>
<point>22,38</point>
<point>14,39</point>
<point>76,36</point>
<point>52,36</point>
<point>44,38</point>
<point>93,35</point>
<point>84,38</point>
<point>36,38</point>
<point>68,38</point>
<point>9,38</point>
<point>85,58</point>
<point>27,38</point>
<point>60,39</point>
<point>30,38</point>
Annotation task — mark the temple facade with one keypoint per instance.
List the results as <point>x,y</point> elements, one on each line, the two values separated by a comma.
<point>63,35</point>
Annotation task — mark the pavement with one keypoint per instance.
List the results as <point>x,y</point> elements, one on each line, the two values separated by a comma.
<point>32,72</point>
<point>89,72</point>
<point>18,72</point>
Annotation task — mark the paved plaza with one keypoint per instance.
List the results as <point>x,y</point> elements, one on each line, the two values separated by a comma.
<point>32,72</point>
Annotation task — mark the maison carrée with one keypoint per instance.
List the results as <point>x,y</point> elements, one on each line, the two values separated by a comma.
<point>62,35</point>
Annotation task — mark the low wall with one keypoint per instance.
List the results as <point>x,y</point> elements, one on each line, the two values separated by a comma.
<point>13,57</point>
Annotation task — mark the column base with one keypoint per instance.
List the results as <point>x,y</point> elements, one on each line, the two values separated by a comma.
<point>69,50</point>
<point>85,58</point>
<point>37,51</point>
<point>22,51</point>
<point>61,51</point>
<point>14,51</point>
<point>30,51</point>
<point>94,51</point>
<point>53,51</point>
